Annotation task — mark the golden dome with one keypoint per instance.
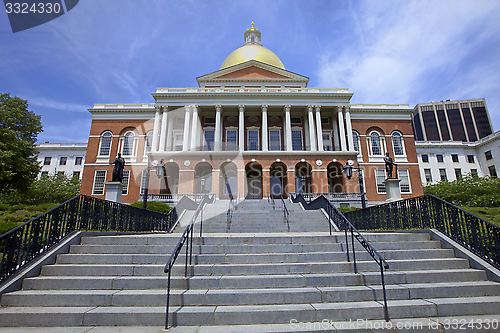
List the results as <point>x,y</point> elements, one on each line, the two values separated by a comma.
<point>252,50</point>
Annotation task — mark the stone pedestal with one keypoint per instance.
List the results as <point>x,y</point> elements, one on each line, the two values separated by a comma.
<point>114,191</point>
<point>392,189</point>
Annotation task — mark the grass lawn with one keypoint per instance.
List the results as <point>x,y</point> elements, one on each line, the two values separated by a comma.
<point>490,214</point>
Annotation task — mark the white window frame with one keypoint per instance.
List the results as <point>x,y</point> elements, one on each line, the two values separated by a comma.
<point>401,184</point>
<point>133,138</point>
<point>381,144</point>
<point>232,128</point>
<point>176,135</point>
<point>429,173</point>
<point>401,137</point>
<point>355,135</point>
<point>445,175</point>
<point>378,174</point>
<point>100,144</point>
<point>249,129</point>
<point>298,129</point>
<point>275,128</point>
<point>147,137</point>
<point>206,129</point>
<point>125,181</point>
<point>328,142</point>
<point>94,182</point>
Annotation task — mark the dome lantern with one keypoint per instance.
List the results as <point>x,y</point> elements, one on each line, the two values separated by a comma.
<point>252,35</point>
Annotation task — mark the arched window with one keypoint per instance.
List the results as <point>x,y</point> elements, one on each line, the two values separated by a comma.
<point>375,143</point>
<point>355,141</point>
<point>397,144</point>
<point>128,144</point>
<point>149,142</point>
<point>105,144</point>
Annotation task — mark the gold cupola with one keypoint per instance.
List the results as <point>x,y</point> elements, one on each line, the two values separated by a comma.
<point>252,50</point>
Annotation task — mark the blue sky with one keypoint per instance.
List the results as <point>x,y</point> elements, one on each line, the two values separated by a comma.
<point>120,51</point>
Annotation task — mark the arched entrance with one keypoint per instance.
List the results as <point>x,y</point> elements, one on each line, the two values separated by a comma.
<point>228,182</point>
<point>278,180</point>
<point>303,177</point>
<point>171,179</point>
<point>203,178</point>
<point>253,188</point>
<point>335,178</point>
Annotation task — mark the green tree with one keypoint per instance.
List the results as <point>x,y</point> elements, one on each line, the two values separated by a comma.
<point>19,128</point>
<point>53,189</point>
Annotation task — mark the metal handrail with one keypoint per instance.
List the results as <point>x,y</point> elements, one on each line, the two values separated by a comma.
<point>229,214</point>
<point>286,214</point>
<point>335,215</point>
<point>187,237</point>
<point>270,199</point>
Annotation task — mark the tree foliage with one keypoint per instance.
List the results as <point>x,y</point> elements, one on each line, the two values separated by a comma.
<point>468,191</point>
<point>19,128</point>
<point>53,189</point>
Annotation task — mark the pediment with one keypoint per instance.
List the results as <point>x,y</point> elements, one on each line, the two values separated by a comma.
<point>252,72</point>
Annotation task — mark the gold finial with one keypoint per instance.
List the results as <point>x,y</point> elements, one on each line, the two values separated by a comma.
<point>252,27</point>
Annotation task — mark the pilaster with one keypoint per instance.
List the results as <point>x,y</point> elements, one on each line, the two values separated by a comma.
<point>319,127</point>
<point>241,127</point>
<point>312,132</point>
<point>163,131</point>
<point>265,131</point>
<point>288,128</point>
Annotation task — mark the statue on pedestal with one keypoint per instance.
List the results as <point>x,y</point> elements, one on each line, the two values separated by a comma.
<point>118,169</point>
<point>389,164</point>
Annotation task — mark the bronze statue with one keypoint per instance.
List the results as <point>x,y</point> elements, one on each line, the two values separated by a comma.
<point>118,169</point>
<point>389,164</point>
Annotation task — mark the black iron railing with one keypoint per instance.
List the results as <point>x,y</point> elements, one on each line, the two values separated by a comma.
<point>286,214</point>
<point>335,216</point>
<point>430,212</point>
<point>270,199</point>
<point>186,238</point>
<point>23,244</point>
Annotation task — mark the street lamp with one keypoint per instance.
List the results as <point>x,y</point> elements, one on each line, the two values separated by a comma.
<point>160,169</point>
<point>160,172</point>
<point>348,169</point>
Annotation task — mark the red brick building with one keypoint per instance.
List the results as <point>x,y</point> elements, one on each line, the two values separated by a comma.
<point>251,128</point>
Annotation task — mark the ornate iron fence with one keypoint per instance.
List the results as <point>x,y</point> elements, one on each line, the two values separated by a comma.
<point>23,244</point>
<point>430,212</point>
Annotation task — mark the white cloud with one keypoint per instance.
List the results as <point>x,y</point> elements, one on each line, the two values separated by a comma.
<point>47,103</point>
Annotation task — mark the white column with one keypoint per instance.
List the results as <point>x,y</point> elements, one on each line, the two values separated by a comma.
<point>319,127</point>
<point>343,144</point>
<point>185,143</point>
<point>335,140</point>
<point>288,128</point>
<point>170,135</point>
<point>154,144</point>
<point>163,131</point>
<point>265,131</point>
<point>241,127</point>
<point>218,126</point>
<point>312,132</point>
<point>349,128</point>
<point>195,139</point>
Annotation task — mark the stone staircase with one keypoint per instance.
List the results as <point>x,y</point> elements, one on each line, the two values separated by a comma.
<point>260,282</point>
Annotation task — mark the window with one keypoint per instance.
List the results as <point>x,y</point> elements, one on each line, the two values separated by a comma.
<point>428,175</point>
<point>397,144</point>
<point>458,173</point>
<point>473,173</point>
<point>44,174</point>
<point>253,139</point>
<point>380,177</point>
<point>179,121</point>
<point>128,144</point>
<point>178,141</point>
<point>47,160</point>
<point>442,174</point>
<point>470,158</point>
<point>63,160</point>
<point>99,179</point>
<point>375,143</point>
<point>149,142</point>
<point>493,171</point>
<point>440,158</point>
<point>454,158</point>
<point>78,160</point>
<point>425,158</point>
<point>126,177</point>
<point>275,139</point>
<point>76,174</point>
<point>327,142</point>
<point>404,185</point>
<point>325,120</point>
<point>231,139</point>
<point>209,135</point>
<point>209,121</point>
<point>105,145</point>
<point>296,120</point>
<point>355,141</point>
<point>297,139</point>
<point>488,155</point>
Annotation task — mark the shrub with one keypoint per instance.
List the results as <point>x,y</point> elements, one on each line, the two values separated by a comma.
<point>153,205</point>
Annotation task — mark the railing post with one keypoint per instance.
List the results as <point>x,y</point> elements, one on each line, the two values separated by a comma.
<point>346,241</point>
<point>168,298</point>
<point>386,310</point>
<point>187,252</point>
<point>353,252</point>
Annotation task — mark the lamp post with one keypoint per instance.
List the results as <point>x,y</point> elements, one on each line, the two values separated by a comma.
<point>160,172</point>
<point>348,169</point>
